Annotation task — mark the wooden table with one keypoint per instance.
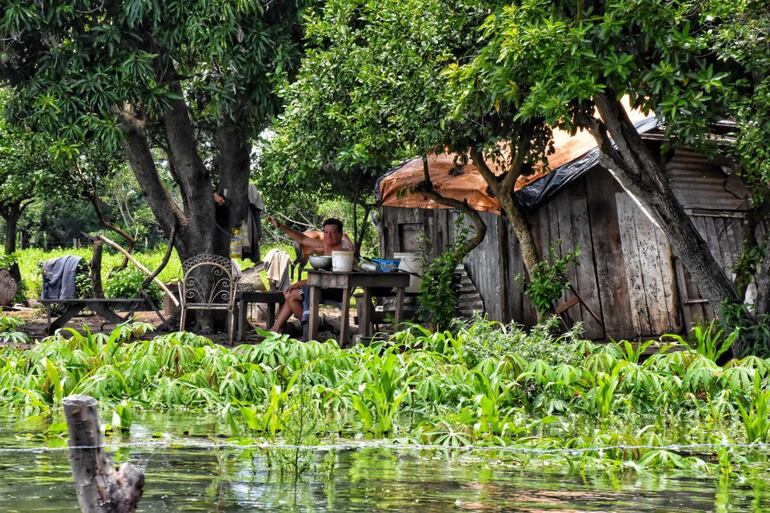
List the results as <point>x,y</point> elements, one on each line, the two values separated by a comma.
<point>271,299</point>
<point>318,280</point>
<point>100,306</point>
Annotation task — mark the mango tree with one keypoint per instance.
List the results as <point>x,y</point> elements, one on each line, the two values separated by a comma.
<point>181,85</point>
<point>371,93</point>
<point>571,63</point>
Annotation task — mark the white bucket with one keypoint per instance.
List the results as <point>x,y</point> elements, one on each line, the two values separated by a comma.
<point>342,261</point>
<point>412,263</point>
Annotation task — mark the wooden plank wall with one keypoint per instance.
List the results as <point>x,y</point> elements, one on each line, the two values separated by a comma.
<point>716,203</point>
<point>626,270</point>
<point>437,228</point>
<point>488,269</point>
<point>649,271</point>
<point>601,191</point>
<point>564,224</point>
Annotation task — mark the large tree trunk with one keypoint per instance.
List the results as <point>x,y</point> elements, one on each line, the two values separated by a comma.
<point>202,227</point>
<point>638,170</point>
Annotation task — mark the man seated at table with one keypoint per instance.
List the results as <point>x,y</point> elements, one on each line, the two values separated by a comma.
<point>332,239</point>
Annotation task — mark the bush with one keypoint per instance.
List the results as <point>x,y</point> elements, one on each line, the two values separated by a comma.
<point>438,300</point>
<point>484,339</point>
<point>128,283</point>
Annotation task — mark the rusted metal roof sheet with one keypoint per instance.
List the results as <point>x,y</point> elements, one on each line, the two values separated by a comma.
<point>574,155</point>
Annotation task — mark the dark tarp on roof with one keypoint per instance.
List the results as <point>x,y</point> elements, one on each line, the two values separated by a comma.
<point>545,188</point>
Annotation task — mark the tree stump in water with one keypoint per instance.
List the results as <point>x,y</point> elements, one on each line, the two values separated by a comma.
<point>8,288</point>
<point>100,488</point>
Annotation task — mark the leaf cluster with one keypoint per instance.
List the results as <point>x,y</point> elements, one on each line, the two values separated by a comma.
<point>548,280</point>
<point>81,63</point>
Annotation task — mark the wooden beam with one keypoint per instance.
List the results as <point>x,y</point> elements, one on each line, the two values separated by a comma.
<point>141,267</point>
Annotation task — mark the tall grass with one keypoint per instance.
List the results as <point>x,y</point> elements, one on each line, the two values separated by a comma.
<point>30,259</point>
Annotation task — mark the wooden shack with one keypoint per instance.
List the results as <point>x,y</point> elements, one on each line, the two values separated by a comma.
<point>626,272</point>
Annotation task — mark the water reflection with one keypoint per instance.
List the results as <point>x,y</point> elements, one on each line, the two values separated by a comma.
<point>180,478</point>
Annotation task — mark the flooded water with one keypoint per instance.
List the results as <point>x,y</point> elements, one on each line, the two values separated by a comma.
<point>188,473</point>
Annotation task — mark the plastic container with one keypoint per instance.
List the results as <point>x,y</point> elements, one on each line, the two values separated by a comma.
<point>236,244</point>
<point>411,263</point>
<point>342,261</point>
<point>385,265</point>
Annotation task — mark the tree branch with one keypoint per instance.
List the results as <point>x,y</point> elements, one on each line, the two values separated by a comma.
<point>166,211</point>
<point>426,188</point>
<point>131,242</point>
<point>509,181</point>
<point>486,173</point>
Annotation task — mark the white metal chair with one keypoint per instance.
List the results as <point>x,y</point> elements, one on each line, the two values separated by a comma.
<point>208,284</point>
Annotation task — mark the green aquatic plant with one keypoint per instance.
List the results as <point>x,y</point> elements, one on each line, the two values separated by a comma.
<point>478,384</point>
<point>755,413</point>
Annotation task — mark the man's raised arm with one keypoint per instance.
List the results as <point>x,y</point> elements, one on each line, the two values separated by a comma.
<point>316,245</point>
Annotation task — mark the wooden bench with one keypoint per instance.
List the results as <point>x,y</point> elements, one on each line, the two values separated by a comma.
<point>103,307</point>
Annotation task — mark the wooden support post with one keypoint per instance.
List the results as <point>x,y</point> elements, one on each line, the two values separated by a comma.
<point>100,488</point>
<point>96,268</point>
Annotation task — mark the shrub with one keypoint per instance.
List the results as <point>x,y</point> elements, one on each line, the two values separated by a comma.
<point>128,283</point>
<point>438,301</point>
<point>484,339</point>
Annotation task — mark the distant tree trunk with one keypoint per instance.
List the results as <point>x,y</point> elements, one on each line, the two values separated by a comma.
<point>11,213</point>
<point>360,223</point>
<point>363,227</point>
<point>96,268</point>
<point>11,216</point>
<point>639,171</point>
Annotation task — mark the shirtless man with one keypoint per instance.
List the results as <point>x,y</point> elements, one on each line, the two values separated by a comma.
<point>333,240</point>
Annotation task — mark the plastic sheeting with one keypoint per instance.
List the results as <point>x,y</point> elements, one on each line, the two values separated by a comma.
<point>545,188</point>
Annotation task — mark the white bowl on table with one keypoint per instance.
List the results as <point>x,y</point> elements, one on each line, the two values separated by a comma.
<point>321,262</point>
